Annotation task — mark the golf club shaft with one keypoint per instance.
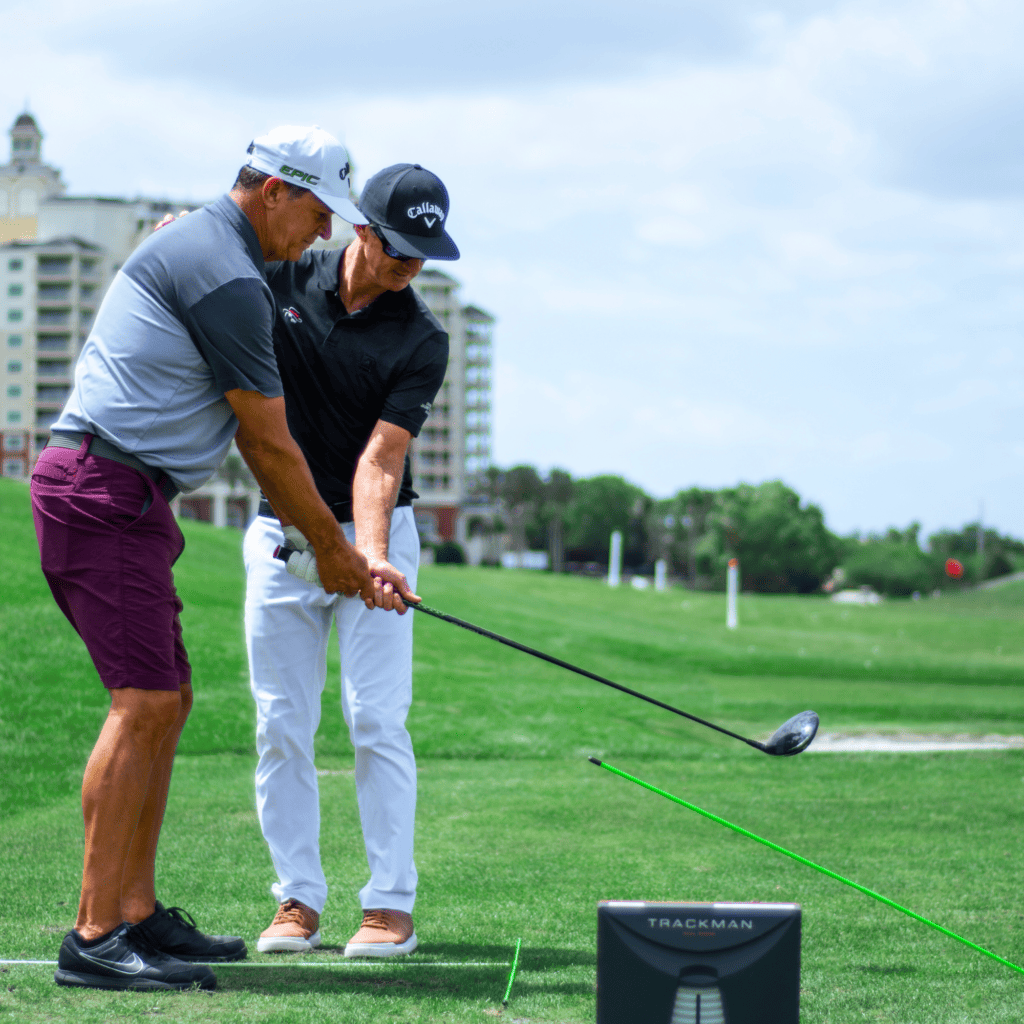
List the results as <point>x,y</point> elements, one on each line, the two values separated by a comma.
<point>808,863</point>
<point>579,671</point>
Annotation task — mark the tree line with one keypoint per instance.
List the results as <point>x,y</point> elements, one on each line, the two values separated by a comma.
<point>782,543</point>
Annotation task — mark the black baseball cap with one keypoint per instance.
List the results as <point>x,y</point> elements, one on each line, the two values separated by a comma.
<point>410,205</point>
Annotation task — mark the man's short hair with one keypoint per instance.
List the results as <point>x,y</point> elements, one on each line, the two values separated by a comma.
<point>249,178</point>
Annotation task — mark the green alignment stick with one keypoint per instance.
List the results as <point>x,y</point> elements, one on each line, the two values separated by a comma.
<point>512,973</point>
<point>808,863</point>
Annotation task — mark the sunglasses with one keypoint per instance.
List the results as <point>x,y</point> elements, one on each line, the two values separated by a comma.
<point>389,249</point>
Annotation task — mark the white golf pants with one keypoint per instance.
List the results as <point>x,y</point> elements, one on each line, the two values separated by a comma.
<point>287,625</point>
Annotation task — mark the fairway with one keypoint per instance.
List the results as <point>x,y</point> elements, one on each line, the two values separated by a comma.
<point>518,835</point>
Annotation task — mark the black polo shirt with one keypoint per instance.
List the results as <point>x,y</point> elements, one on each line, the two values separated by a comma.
<point>342,372</point>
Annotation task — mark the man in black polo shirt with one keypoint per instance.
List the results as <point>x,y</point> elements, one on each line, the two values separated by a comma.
<point>361,359</point>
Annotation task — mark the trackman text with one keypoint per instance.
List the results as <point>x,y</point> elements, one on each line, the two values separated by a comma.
<point>704,924</point>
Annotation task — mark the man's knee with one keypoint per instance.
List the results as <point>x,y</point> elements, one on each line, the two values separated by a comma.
<point>147,715</point>
<point>375,728</point>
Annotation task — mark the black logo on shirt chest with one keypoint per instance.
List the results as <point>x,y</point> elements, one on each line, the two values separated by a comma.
<point>291,314</point>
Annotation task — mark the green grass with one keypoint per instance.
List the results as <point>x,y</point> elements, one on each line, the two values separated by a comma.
<point>518,836</point>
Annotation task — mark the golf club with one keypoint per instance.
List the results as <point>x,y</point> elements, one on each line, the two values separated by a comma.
<point>792,737</point>
<point>807,863</point>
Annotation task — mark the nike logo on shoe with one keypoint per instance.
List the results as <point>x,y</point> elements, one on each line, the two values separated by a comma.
<point>134,965</point>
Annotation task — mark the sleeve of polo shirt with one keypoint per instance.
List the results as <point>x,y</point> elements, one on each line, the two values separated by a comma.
<point>232,327</point>
<point>408,403</point>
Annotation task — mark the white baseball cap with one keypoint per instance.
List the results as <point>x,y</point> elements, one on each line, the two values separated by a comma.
<point>311,159</point>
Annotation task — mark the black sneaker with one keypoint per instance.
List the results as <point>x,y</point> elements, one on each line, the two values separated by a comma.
<point>119,962</point>
<point>169,932</point>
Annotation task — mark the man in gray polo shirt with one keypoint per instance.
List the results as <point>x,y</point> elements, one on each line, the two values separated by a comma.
<point>179,362</point>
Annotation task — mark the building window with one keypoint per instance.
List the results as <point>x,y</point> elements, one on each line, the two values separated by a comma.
<point>14,366</point>
<point>14,417</point>
<point>14,467</point>
<point>14,315</point>
<point>13,442</point>
<point>14,391</point>
<point>15,264</point>
<point>14,341</point>
<point>14,289</point>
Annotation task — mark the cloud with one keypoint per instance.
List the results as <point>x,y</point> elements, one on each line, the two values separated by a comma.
<point>401,49</point>
<point>939,85</point>
<point>723,242</point>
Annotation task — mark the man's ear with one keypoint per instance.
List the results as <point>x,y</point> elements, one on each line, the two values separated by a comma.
<point>273,191</point>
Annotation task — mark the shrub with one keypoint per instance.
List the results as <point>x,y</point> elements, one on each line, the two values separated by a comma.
<point>449,552</point>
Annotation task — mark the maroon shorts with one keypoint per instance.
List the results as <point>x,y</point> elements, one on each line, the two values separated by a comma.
<point>108,563</point>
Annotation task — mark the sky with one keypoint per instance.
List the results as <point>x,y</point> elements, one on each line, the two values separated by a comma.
<point>723,242</point>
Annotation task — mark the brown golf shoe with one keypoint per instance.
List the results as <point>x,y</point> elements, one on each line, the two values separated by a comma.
<point>383,933</point>
<point>295,929</point>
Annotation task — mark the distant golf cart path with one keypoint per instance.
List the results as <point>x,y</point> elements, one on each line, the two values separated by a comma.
<point>909,743</point>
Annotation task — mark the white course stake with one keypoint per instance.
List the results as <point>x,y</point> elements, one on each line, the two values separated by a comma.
<point>615,559</point>
<point>732,588</point>
<point>660,574</point>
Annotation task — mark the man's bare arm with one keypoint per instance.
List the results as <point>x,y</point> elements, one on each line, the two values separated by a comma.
<point>281,470</point>
<point>375,487</point>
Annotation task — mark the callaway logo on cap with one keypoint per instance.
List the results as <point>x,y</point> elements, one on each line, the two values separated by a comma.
<point>410,205</point>
<point>309,158</point>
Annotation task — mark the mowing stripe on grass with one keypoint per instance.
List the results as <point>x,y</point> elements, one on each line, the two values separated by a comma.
<point>512,973</point>
<point>317,963</point>
<point>808,863</point>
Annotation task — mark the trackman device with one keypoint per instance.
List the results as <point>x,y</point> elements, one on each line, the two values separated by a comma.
<point>698,963</point>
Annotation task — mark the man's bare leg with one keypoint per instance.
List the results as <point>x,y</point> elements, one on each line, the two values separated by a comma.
<point>115,792</point>
<point>138,887</point>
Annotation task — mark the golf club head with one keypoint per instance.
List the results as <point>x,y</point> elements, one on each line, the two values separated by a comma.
<point>793,736</point>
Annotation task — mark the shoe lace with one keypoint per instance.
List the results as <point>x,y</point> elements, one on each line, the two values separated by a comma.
<point>179,915</point>
<point>375,919</point>
<point>140,942</point>
<point>291,911</point>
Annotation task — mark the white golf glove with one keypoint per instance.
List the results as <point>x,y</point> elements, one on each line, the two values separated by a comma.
<point>303,565</point>
<point>295,539</point>
<point>302,561</point>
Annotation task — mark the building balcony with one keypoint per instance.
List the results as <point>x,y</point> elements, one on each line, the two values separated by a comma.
<point>62,272</point>
<point>52,312</point>
<point>51,396</point>
<point>52,342</point>
<point>46,318</point>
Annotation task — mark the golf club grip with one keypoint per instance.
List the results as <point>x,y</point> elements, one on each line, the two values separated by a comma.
<point>579,671</point>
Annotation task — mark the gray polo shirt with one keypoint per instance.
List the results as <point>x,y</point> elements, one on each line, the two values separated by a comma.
<point>188,317</point>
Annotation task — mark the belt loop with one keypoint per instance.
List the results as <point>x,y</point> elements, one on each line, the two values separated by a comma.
<point>83,448</point>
